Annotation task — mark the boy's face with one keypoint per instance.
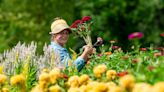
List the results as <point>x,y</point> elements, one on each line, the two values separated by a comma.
<point>62,37</point>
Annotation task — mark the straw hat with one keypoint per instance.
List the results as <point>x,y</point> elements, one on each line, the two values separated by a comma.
<point>59,25</point>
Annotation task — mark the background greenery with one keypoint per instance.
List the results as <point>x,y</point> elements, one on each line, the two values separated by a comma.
<point>30,20</point>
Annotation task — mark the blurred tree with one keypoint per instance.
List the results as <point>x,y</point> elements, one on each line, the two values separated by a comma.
<point>30,20</point>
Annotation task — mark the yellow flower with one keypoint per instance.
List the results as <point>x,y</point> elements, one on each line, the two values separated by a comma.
<point>127,82</point>
<point>1,69</point>
<point>90,86</point>
<point>83,88</point>
<point>142,87</point>
<point>110,84</point>
<point>115,89</point>
<point>111,74</point>
<point>18,79</point>
<point>98,70</point>
<point>55,88</point>
<point>44,77</point>
<point>2,78</point>
<point>5,89</point>
<point>45,70</point>
<point>74,90</point>
<point>43,85</point>
<point>97,73</point>
<point>74,54</point>
<point>158,87</point>
<point>54,75</point>
<point>83,79</point>
<point>101,87</point>
<point>73,81</point>
<point>36,89</point>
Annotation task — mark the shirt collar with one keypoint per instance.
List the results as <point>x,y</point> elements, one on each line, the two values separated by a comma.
<point>57,46</point>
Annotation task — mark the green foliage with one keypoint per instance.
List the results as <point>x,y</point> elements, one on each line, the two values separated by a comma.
<point>28,20</point>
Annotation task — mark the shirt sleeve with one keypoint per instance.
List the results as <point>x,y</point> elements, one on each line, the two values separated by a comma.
<point>79,62</point>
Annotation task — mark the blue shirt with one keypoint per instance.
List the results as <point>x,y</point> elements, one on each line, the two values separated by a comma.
<point>65,56</point>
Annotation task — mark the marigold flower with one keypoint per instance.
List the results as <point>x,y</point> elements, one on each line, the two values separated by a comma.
<point>17,79</point>
<point>55,88</point>
<point>158,87</point>
<point>37,89</point>
<point>74,90</point>
<point>142,87</point>
<point>5,89</point>
<point>90,86</point>
<point>98,70</point>
<point>100,87</point>
<point>115,89</point>
<point>2,78</point>
<point>54,75</point>
<point>135,35</point>
<point>44,77</point>
<point>111,74</point>
<point>111,84</point>
<point>83,79</point>
<point>73,81</point>
<point>127,82</point>
<point>43,85</point>
<point>83,88</point>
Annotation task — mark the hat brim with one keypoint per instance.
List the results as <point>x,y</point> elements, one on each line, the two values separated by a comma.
<point>60,28</point>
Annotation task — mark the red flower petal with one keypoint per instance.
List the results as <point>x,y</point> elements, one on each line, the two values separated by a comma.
<point>120,74</point>
<point>162,34</point>
<point>86,18</point>
<point>64,76</point>
<point>74,25</point>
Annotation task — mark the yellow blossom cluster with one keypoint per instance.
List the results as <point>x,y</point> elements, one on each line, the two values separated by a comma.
<point>127,82</point>
<point>17,80</point>
<point>47,78</point>
<point>2,79</point>
<point>99,70</point>
<point>111,74</point>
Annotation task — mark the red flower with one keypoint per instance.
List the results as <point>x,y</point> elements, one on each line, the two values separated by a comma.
<point>115,47</point>
<point>86,18</point>
<point>162,34</point>
<point>64,76</point>
<point>120,74</point>
<point>143,49</point>
<point>74,25</point>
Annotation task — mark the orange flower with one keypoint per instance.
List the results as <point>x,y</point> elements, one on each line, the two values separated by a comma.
<point>108,53</point>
